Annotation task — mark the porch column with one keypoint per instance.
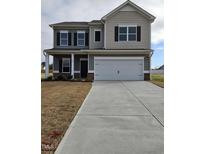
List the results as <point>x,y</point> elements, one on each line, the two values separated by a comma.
<point>47,65</point>
<point>72,65</point>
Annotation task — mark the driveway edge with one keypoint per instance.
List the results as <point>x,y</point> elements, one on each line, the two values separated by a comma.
<point>60,146</point>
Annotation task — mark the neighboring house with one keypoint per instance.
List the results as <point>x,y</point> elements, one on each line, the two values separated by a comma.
<point>161,67</point>
<point>159,70</point>
<point>117,47</point>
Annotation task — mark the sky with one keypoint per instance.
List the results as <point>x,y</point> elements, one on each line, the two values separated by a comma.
<point>54,11</point>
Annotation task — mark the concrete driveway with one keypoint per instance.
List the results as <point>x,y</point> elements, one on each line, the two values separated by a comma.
<point>118,117</point>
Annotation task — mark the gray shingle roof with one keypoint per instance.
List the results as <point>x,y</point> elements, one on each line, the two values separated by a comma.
<point>83,23</point>
<point>69,23</point>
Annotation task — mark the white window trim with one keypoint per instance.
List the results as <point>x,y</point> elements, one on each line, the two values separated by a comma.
<point>81,32</point>
<point>62,64</point>
<point>100,35</point>
<point>63,31</point>
<point>127,32</point>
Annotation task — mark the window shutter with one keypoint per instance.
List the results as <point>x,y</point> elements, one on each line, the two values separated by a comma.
<point>86,39</point>
<point>116,33</point>
<point>138,33</point>
<point>58,38</point>
<point>75,39</point>
<point>60,65</point>
<point>69,38</point>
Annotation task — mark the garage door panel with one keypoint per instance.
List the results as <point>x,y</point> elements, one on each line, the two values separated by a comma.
<point>119,69</point>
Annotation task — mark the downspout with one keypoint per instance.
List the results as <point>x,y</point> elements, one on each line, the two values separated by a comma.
<point>152,52</point>
<point>44,53</point>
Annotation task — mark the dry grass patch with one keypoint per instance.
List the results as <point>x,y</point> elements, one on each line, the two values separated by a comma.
<point>60,102</point>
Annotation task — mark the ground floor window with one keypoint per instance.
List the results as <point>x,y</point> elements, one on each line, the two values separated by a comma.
<point>66,65</point>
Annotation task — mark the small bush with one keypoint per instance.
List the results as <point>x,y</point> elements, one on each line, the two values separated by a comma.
<point>63,77</point>
<point>49,78</point>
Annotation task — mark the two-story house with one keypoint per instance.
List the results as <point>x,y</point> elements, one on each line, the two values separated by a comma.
<point>117,47</point>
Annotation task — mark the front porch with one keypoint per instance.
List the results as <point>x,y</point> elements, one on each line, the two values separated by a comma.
<point>70,66</point>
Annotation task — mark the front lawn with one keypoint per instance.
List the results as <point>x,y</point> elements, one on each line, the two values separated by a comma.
<point>158,79</point>
<point>60,103</point>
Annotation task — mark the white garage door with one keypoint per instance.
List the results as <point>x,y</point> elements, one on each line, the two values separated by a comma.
<point>119,68</point>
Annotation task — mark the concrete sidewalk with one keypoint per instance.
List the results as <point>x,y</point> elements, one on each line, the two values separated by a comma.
<point>118,117</point>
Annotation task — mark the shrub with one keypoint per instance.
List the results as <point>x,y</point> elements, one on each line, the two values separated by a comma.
<point>63,77</point>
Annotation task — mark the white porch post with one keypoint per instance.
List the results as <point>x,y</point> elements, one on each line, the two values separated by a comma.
<point>47,65</point>
<point>72,65</point>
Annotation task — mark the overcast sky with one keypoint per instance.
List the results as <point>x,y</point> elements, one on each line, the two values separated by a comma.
<point>53,11</point>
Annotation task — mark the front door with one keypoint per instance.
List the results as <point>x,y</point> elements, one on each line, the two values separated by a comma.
<point>83,68</point>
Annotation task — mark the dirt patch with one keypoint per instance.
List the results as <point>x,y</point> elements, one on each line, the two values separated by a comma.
<point>60,103</point>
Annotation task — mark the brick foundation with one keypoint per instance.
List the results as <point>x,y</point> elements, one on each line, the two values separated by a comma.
<point>90,76</point>
<point>147,76</point>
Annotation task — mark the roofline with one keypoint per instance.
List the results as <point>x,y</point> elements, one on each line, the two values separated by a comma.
<point>98,51</point>
<point>143,12</point>
<point>76,24</point>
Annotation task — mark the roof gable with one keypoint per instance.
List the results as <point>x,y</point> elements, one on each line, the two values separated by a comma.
<point>129,6</point>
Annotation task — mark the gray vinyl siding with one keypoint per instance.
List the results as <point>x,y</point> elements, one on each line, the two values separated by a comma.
<point>132,18</point>
<point>91,62</point>
<point>92,43</point>
<point>77,61</point>
<point>72,39</point>
<point>56,59</point>
<point>56,63</point>
<point>146,63</point>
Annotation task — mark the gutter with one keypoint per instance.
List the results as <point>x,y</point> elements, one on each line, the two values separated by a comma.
<point>44,53</point>
<point>152,52</point>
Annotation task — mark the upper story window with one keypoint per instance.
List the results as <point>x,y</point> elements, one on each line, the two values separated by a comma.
<point>127,33</point>
<point>81,38</point>
<point>123,33</point>
<point>131,33</point>
<point>97,35</point>
<point>63,38</point>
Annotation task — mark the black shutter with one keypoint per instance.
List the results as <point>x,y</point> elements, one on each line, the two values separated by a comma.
<point>138,33</point>
<point>58,38</point>
<point>75,39</point>
<point>69,38</point>
<point>60,65</point>
<point>116,33</point>
<point>86,39</point>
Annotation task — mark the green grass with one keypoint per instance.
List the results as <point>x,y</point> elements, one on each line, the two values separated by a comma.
<point>158,79</point>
